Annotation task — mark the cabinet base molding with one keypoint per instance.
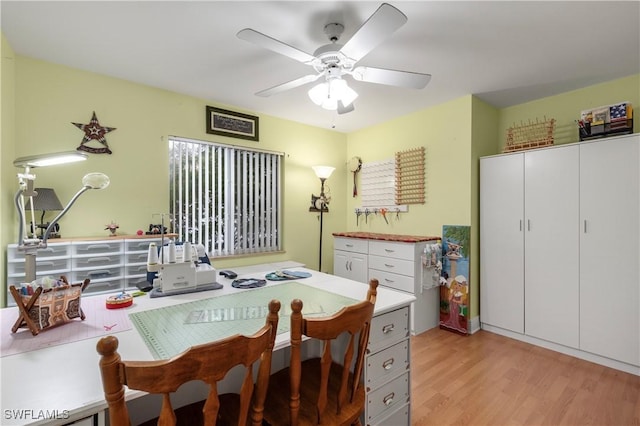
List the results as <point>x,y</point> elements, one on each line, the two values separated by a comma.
<point>576,353</point>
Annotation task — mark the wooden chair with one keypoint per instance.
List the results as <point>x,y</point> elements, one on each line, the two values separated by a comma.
<point>209,363</point>
<point>321,390</point>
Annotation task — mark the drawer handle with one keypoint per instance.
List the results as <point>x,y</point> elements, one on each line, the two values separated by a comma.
<point>388,364</point>
<point>98,246</point>
<point>388,328</point>
<point>389,281</point>
<point>389,250</point>
<point>349,245</point>
<point>389,266</point>
<point>388,400</point>
<point>98,259</point>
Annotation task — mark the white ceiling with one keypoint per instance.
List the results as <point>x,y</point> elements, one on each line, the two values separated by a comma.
<point>505,53</point>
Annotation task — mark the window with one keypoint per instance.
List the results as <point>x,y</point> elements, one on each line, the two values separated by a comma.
<point>225,197</point>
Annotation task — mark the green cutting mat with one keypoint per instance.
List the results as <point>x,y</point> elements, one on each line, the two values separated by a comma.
<point>170,330</point>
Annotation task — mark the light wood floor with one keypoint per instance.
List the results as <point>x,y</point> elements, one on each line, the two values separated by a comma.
<point>487,379</point>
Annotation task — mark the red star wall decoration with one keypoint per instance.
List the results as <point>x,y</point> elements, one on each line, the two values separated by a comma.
<point>94,131</point>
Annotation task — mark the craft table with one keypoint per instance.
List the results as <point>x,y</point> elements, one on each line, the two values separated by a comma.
<point>61,384</point>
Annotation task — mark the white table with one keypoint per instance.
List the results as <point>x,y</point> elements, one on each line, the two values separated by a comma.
<point>64,380</point>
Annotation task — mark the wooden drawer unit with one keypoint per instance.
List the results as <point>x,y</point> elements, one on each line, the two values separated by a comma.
<point>389,328</point>
<point>388,397</point>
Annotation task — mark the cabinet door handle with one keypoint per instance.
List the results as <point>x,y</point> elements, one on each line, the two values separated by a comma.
<point>346,265</point>
<point>520,225</point>
<point>351,265</point>
<point>388,328</point>
<point>528,224</point>
<point>388,400</point>
<point>388,364</point>
<point>585,226</point>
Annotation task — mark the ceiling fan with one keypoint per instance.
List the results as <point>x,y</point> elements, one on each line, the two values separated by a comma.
<point>333,61</point>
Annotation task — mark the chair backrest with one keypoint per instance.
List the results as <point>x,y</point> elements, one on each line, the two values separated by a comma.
<point>355,320</point>
<point>208,362</point>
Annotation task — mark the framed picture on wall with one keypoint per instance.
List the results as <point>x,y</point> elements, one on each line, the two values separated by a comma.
<point>233,124</point>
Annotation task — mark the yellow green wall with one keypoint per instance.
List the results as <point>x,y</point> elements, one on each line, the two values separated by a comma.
<point>7,149</point>
<point>447,150</point>
<point>484,134</point>
<point>566,108</point>
<point>49,97</point>
<point>453,147</point>
<point>456,134</point>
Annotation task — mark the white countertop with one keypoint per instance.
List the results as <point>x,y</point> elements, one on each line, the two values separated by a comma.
<point>66,377</point>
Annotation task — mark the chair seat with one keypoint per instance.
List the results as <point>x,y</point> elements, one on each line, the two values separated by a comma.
<point>279,393</point>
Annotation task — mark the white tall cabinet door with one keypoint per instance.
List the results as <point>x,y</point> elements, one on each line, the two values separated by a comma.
<point>552,244</point>
<point>501,241</point>
<point>610,248</point>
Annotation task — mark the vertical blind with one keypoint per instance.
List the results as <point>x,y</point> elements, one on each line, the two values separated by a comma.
<point>224,197</point>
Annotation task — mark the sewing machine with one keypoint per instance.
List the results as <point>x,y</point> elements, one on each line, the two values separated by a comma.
<point>180,269</point>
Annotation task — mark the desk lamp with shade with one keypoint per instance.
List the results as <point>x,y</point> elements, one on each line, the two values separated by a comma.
<point>45,201</point>
<point>30,244</point>
<point>321,203</point>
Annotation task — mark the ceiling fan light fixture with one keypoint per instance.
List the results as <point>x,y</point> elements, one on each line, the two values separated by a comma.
<point>319,93</point>
<point>328,94</point>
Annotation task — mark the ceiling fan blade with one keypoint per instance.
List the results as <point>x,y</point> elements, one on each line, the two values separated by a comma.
<point>410,80</point>
<point>343,110</point>
<point>274,45</point>
<point>374,31</point>
<point>289,85</point>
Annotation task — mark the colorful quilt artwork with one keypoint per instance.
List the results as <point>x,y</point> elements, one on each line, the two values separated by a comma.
<point>454,281</point>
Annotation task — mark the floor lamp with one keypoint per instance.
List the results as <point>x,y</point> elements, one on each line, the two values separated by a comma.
<point>321,203</point>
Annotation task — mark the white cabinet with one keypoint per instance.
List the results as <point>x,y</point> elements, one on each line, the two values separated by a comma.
<point>387,369</point>
<point>350,258</point>
<point>559,247</point>
<point>610,248</point>
<point>398,265</point>
<point>551,191</point>
<point>502,241</point>
<point>395,261</point>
